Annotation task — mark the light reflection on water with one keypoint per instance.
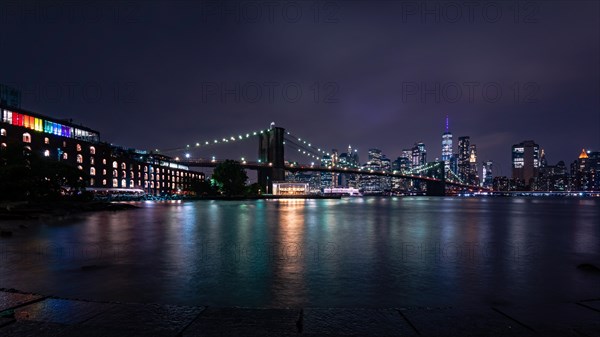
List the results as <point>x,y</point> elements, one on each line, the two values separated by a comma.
<point>371,252</point>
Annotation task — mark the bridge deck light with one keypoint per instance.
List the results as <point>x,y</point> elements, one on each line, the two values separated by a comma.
<point>197,144</point>
<point>270,164</point>
<point>187,155</point>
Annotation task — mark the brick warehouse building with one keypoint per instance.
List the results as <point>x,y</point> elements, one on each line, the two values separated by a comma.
<point>108,167</point>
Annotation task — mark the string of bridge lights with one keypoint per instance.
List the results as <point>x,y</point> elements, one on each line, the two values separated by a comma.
<point>216,141</point>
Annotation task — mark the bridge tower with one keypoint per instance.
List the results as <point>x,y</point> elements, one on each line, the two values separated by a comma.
<point>437,188</point>
<point>270,152</point>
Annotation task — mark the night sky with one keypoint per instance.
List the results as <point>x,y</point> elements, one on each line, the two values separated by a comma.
<point>151,74</point>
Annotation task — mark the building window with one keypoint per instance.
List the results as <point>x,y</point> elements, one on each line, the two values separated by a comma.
<point>92,171</point>
<point>79,159</point>
<point>3,132</point>
<point>26,138</point>
<point>46,140</point>
<point>103,172</point>
<point>92,182</point>
<point>123,166</point>
<point>103,182</point>
<point>78,148</point>
<point>47,153</point>
<point>64,143</point>
<point>123,183</point>
<point>115,183</point>
<point>115,165</point>
<point>3,146</point>
<point>115,174</point>
<point>145,168</point>
<point>92,160</point>
<point>92,150</point>
<point>79,167</point>
<point>104,161</point>
<point>65,156</point>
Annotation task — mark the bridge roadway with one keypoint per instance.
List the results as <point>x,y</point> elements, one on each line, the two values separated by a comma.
<point>310,168</point>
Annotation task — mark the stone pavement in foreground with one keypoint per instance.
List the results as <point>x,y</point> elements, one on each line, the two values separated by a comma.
<point>40,316</point>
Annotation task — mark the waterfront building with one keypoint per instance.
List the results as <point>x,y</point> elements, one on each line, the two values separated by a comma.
<point>103,166</point>
<point>552,178</point>
<point>290,188</point>
<point>501,183</point>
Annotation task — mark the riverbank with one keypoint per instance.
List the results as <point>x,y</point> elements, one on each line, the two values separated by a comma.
<point>34,210</point>
<point>24,314</point>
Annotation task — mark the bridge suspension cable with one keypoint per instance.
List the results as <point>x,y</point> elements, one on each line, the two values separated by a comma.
<point>216,141</point>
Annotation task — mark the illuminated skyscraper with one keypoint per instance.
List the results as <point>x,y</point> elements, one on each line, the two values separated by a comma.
<point>525,160</point>
<point>419,155</point>
<point>464,155</point>
<point>488,178</point>
<point>447,146</point>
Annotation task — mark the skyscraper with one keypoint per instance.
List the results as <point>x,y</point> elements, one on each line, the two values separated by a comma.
<point>525,160</point>
<point>447,146</point>
<point>464,155</point>
<point>419,155</point>
<point>488,178</point>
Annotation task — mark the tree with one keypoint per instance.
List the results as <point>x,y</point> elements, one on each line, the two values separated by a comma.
<point>231,177</point>
<point>203,188</point>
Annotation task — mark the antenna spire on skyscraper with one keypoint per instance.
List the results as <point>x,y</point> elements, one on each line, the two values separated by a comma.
<point>447,127</point>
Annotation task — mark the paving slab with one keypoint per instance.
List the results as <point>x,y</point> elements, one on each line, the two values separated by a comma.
<point>455,321</point>
<point>10,300</point>
<point>348,322</point>
<point>61,311</point>
<point>245,322</point>
<point>560,319</point>
<point>33,329</point>
<point>139,320</point>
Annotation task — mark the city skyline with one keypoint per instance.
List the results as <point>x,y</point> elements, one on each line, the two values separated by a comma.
<point>184,91</point>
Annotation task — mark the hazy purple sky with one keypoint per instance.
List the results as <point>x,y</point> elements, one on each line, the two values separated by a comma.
<point>151,74</point>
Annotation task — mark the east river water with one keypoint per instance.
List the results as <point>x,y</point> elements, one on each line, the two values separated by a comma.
<point>351,252</point>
